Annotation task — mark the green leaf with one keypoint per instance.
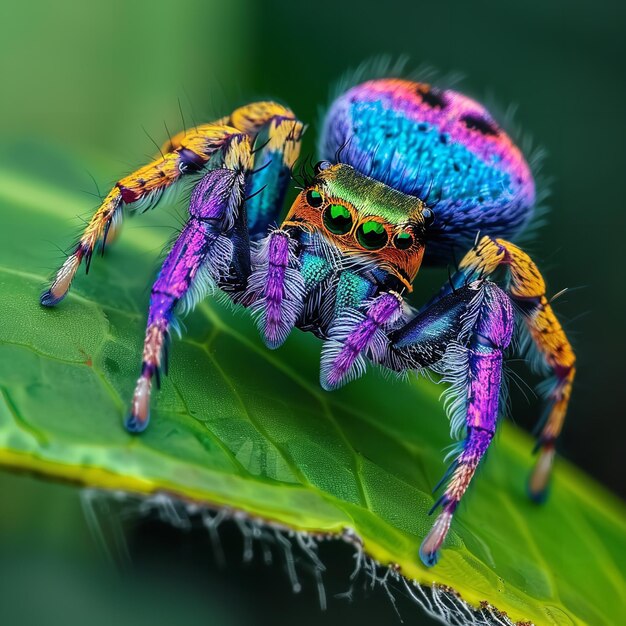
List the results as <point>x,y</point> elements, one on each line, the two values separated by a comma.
<point>238,425</point>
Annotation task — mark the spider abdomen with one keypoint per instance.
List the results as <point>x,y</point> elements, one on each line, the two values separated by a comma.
<point>438,145</point>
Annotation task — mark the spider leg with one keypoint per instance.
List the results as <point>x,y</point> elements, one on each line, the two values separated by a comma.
<point>213,248</point>
<point>200,258</point>
<point>528,290</point>
<point>186,153</point>
<point>376,329</point>
<point>463,336</point>
<point>276,147</point>
<point>141,190</point>
<point>276,288</point>
<point>357,333</point>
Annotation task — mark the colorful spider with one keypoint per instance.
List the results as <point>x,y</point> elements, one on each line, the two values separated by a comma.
<point>409,171</point>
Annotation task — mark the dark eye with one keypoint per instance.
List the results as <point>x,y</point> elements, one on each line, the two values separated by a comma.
<point>403,241</point>
<point>338,219</point>
<point>428,215</point>
<point>320,166</point>
<point>314,198</point>
<point>372,235</point>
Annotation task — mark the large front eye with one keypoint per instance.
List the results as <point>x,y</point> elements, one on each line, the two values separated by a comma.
<point>372,235</point>
<point>338,219</point>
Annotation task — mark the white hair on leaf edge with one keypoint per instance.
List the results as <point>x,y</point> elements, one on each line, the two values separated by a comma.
<point>299,551</point>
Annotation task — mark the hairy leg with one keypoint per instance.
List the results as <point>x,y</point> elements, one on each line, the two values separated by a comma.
<point>276,288</point>
<point>200,258</point>
<point>477,368</point>
<point>276,148</point>
<point>188,152</point>
<point>461,335</point>
<point>528,290</point>
<point>141,189</point>
<point>357,333</point>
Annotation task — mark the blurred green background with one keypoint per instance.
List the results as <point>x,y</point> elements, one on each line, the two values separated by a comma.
<point>83,81</point>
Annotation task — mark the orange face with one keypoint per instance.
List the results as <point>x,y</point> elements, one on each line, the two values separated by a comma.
<point>361,216</point>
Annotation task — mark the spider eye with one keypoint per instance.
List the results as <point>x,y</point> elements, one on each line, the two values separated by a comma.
<point>372,235</point>
<point>403,241</point>
<point>428,215</point>
<point>337,219</point>
<point>314,198</point>
<point>320,166</point>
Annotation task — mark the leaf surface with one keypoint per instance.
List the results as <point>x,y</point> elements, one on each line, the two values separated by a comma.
<point>240,426</point>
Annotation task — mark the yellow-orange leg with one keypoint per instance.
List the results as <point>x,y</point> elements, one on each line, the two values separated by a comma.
<point>527,288</point>
<point>186,153</point>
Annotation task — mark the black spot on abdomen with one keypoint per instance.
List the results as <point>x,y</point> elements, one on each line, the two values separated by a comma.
<point>432,96</point>
<point>480,124</point>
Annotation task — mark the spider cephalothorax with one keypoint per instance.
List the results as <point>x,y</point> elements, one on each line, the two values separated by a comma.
<point>409,172</point>
<point>364,219</point>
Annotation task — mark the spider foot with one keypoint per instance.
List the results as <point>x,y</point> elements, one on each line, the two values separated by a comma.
<point>539,481</point>
<point>62,281</point>
<point>429,549</point>
<point>139,416</point>
<point>154,357</point>
<point>107,217</point>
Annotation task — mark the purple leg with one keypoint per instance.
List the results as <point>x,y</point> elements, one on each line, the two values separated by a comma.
<point>476,371</point>
<point>201,255</point>
<point>276,288</point>
<point>355,335</point>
